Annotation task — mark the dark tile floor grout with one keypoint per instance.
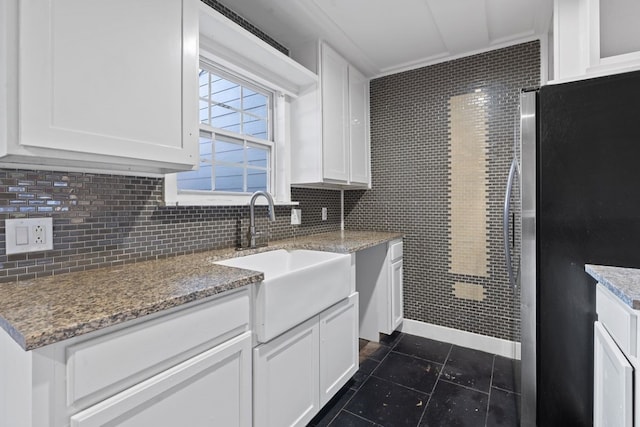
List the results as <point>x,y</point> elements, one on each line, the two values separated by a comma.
<point>407,380</point>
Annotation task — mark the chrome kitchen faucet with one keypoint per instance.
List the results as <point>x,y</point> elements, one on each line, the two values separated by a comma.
<point>252,221</point>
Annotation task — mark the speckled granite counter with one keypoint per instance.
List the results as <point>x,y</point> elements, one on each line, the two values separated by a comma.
<point>50,309</point>
<point>623,282</point>
<point>341,241</point>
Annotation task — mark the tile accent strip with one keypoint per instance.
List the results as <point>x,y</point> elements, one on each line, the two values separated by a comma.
<point>468,185</point>
<point>468,291</point>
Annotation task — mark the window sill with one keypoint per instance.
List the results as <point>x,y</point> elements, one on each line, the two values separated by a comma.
<point>222,200</point>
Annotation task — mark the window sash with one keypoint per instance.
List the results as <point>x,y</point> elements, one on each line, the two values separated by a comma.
<point>213,69</point>
<point>245,144</point>
<point>236,105</point>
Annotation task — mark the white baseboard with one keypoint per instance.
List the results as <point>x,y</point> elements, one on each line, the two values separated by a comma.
<point>502,347</point>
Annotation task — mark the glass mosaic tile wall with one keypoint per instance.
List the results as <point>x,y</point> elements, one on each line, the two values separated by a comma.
<point>419,183</point>
<point>107,220</point>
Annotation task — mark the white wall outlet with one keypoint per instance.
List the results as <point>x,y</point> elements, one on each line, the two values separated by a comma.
<point>296,216</point>
<point>28,235</point>
<point>324,214</point>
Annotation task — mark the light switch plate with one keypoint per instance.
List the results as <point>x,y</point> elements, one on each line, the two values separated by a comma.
<point>296,216</point>
<point>28,235</point>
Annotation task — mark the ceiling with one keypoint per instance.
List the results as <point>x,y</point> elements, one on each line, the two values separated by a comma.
<point>383,37</point>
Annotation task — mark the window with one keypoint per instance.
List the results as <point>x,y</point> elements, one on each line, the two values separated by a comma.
<point>236,142</point>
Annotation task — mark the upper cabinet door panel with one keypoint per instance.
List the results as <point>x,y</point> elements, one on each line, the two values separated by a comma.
<point>359,127</point>
<point>114,78</point>
<point>334,78</point>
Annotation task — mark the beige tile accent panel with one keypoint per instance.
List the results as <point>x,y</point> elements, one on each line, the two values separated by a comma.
<point>468,191</point>
<point>468,291</point>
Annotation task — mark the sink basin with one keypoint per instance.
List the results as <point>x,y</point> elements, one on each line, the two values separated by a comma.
<point>297,285</point>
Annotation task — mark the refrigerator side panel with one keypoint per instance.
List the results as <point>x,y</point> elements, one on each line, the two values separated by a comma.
<point>588,204</point>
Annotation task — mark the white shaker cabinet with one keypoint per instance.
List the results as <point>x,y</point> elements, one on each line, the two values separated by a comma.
<point>189,365</point>
<point>335,109</point>
<point>338,346</point>
<point>285,378</point>
<point>211,389</point>
<point>613,381</point>
<point>379,281</point>
<point>595,38</point>
<point>330,124</point>
<point>395,305</point>
<point>359,144</point>
<point>107,86</point>
<point>298,372</point>
<point>615,362</point>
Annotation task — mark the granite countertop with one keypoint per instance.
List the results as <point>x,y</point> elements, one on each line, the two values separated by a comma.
<point>341,241</point>
<point>46,310</point>
<point>623,282</point>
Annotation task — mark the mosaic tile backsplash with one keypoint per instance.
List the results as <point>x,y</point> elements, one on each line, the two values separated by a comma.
<point>107,220</point>
<point>413,192</point>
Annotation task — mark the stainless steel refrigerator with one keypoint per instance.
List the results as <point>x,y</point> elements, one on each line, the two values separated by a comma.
<point>580,200</point>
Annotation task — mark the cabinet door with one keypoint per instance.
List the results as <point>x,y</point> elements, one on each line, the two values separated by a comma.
<point>285,375</point>
<point>613,393</point>
<point>334,83</point>
<point>395,296</point>
<point>338,346</point>
<point>113,78</point>
<point>359,145</point>
<point>211,389</point>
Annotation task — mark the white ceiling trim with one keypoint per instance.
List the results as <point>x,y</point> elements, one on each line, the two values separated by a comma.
<point>433,61</point>
<point>382,39</point>
<point>516,37</point>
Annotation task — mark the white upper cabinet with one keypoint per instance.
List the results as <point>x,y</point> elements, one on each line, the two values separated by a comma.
<point>101,85</point>
<point>330,126</point>
<point>359,145</point>
<point>595,37</point>
<point>334,76</point>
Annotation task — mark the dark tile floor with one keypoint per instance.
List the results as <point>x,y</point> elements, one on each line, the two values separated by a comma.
<point>407,380</point>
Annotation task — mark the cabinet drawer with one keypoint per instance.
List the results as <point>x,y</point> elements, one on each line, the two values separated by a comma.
<point>396,250</point>
<point>212,388</point>
<point>102,366</point>
<point>619,320</point>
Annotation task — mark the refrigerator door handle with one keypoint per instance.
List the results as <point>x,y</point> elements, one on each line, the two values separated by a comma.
<point>513,170</point>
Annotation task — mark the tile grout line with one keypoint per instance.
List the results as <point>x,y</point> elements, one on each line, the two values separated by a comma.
<point>466,387</point>
<point>446,359</point>
<point>359,416</point>
<point>342,409</point>
<point>493,368</point>
<point>379,362</point>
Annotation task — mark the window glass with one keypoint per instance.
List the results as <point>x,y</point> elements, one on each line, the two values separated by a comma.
<point>235,136</point>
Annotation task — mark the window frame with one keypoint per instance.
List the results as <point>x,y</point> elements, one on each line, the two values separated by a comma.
<point>279,156</point>
<point>245,140</point>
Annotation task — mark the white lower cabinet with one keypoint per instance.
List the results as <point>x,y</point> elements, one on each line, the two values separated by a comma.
<point>338,346</point>
<point>616,400</point>
<point>298,372</point>
<point>187,366</point>
<point>286,391</point>
<point>396,312</point>
<point>613,381</point>
<point>210,389</point>
<point>379,282</point>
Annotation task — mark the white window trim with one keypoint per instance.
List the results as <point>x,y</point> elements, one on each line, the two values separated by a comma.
<point>281,154</point>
